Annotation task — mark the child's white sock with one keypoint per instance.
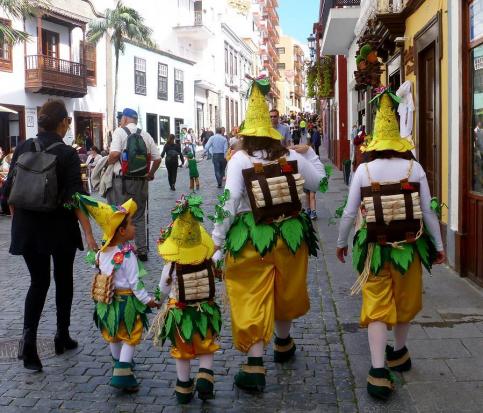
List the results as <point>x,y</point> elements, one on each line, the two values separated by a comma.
<point>206,361</point>
<point>127,353</point>
<point>256,350</point>
<point>183,369</point>
<point>282,328</point>
<point>400,335</point>
<point>377,333</point>
<point>115,350</point>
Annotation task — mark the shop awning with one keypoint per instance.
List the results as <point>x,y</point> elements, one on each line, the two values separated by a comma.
<point>339,30</point>
<point>7,110</point>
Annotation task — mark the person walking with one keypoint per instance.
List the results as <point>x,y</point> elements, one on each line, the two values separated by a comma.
<point>173,154</point>
<point>400,233</point>
<point>219,146</point>
<point>42,236</point>
<point>315,139</point>
<point>133,172</point>
<point>284,130</point>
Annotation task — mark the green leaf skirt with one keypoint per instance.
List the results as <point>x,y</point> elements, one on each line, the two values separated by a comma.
<point>125,308</point>
<point>401,258</point>
<point>190,319</point>
<point>264,236</point>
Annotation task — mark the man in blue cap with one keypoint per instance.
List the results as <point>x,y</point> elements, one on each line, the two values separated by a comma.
<point>127,185</point>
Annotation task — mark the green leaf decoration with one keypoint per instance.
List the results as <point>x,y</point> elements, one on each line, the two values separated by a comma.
<point>359,255</point>
<point>139,285</point>
<point>101,309</point>
<point>141,270</point>
<point>292,233</point>
<point>220,212</point>
<point>168,324</point>
<point>157,294</point>
<point>376,261</point>
<point>263,85</point>
<point>237,236</point>
<point>186,326</point>
<point>194,200</point>
<point>197,213</point>
<point>402,257</point>
<point>206,307</point>
<point>435,205</point>
<point>140,307</point>
<point>129,314</point>
<point>423,251</point>
<point>111,320</point>
<point>324,185</point>
<point>177,313</point>
<point>216,321</point>
<point>365,50</point>
<point>91,257</point>
<point>329,169</point>
<point>202,324</point>
<point>263,237</point>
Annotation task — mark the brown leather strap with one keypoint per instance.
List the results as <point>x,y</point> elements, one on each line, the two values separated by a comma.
<point>179,277</point>
<point>376,196</point>
<point>292,186</point>
<point>408,204</point>
<point>265,190</point>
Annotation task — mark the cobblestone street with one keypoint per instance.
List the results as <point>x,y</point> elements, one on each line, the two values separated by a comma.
<point>327,375</point>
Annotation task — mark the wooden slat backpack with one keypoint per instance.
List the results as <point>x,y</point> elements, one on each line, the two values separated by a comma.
<point>274,190</point>
<point>392,210</point>
<point>196,283</point>
<point>102,289</point>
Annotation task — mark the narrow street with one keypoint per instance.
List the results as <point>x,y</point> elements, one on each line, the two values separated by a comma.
<point>328,374</point>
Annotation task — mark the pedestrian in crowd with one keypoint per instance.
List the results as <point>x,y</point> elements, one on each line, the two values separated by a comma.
<point>296,136</point>
<point>219,146</point>
<point>191,137</point>
<point>284,130</point>
<point>131,175</point>
<point>88,139</point>
<point>207,136</point>
<point>173,154</point>
<point>94,157</point>
<point>265,274</point>
<point>234,145</point>
<point>40,236</point>
<point>315,139</point>
<point>193,172</point>
<point>192,319</point>
<point>389,248</point>
<point>131,302</point>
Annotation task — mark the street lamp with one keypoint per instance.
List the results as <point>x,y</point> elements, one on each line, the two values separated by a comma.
<point>311,42</point>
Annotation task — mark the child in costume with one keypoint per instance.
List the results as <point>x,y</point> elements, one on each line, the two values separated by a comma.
<point>122,303</point>
<point>193,171</point>
<point>267,238</point>
<point>191,319</point>
<point>399,232</point>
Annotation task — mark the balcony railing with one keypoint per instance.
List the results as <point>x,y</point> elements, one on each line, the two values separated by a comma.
<point>330,4</point>
<point>198,18</point>
<point>49,75</point>
<point>390,6</point>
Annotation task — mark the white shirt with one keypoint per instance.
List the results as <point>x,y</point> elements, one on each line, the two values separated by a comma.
<point>119,141</point>
<point>388,170</point>
<point>93,159</point>
<point>309,167</point>
<point>405,109</point>
<point>126,277</point>
<point>165,286</point>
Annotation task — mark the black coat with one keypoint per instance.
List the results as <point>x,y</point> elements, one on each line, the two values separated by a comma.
<point>172,148</point>
<point>46,232</point>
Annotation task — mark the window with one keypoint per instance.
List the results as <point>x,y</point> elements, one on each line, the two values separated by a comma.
<point>226,60</point>
<point>231,62</point>
<point>476,90</point>
<point>88,57</point>
<point>178,86</point>
<point>280,66</point>
<point>227,113</point>
<point>164,127</point>
<point>236,114</point>
<point>177,126</point>
<point>5,50</point>
<point>281,50</point>
<point>162,81</point>
<point>139,76</point>
<point>211,115</point>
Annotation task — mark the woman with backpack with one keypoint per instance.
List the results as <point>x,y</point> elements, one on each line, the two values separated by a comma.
<point>39,235</point>
<point>173,154</point>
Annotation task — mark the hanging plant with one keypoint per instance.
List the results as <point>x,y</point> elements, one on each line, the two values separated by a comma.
<point>326,89</point>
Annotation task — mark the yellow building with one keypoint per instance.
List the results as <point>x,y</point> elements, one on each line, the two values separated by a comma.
<point>291,68</point>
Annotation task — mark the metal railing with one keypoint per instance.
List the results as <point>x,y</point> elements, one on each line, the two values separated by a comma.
<point>35,62</point>
<point>391,6</point>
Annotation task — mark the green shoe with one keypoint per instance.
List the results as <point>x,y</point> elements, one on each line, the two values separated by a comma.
<point>398,360</point>
<point>380,383</point>
<point>252,375</point>
<point>123,377</point>
<point>283,349</point>
<point>184,391</point>
<point>205,384</point>
<point>114,361</point>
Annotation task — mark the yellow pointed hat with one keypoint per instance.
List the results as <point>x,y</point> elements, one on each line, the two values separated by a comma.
<point>108,217</point>
<point>188,242</point>
<point>257,119</point>
<point>386,130</point>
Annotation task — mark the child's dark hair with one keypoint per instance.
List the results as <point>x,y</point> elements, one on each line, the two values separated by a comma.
<point>123,223</point>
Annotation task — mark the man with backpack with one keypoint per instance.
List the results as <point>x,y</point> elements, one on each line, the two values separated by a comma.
<point>136,158</point>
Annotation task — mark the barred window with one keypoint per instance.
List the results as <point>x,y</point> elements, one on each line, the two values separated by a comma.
<point>178,86</point>
<point>139,76</point>
<point>162,81</point>
<point>5,50</point>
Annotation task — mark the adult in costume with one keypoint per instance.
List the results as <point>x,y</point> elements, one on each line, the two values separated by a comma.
<point>191,319</point>
<point>267,238</point>
<point>399,233</point>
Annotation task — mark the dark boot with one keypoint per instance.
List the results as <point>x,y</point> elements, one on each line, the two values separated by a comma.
<point>28,350</point>
<point>205,383</point>
<point>398,360</point>
<point>123,377</point>
<point>283,349</point>
<point>184,391</point>
<point>252,375</point>
<point>63,341</point>
<point>380,383</point>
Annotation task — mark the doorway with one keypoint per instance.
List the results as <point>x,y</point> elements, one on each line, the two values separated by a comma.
<point>88,130</point>
<point>152,125</point>
<point>12,127</point>
<point>164,128</point>
<point>428,54</point>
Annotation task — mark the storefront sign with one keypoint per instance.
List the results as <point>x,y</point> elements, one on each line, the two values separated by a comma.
<point>409,60</point>
<point>476,20</point>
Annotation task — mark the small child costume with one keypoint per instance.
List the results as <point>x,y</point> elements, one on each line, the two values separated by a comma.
<point>193,171</point>
<point>399,232</point>
<point>191,318</point>
<point>121,311</point>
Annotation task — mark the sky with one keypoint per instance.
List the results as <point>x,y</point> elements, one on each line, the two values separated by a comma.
<point>297,17</point>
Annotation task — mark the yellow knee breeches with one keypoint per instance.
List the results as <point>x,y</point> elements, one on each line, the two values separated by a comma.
<point>264,289</point>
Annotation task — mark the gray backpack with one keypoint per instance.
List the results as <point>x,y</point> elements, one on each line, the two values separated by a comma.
<point>34,180</point>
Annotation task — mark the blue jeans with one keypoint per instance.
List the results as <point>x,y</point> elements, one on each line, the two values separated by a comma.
<point>219,163</point>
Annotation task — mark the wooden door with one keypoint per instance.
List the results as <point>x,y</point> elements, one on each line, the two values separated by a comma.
<point>50,44</point>
<point>427,139</point>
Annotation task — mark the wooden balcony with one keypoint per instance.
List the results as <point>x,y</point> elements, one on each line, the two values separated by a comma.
<point>53,76</point>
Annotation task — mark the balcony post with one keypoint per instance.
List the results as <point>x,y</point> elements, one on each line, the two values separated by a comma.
<point>39,34</point>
